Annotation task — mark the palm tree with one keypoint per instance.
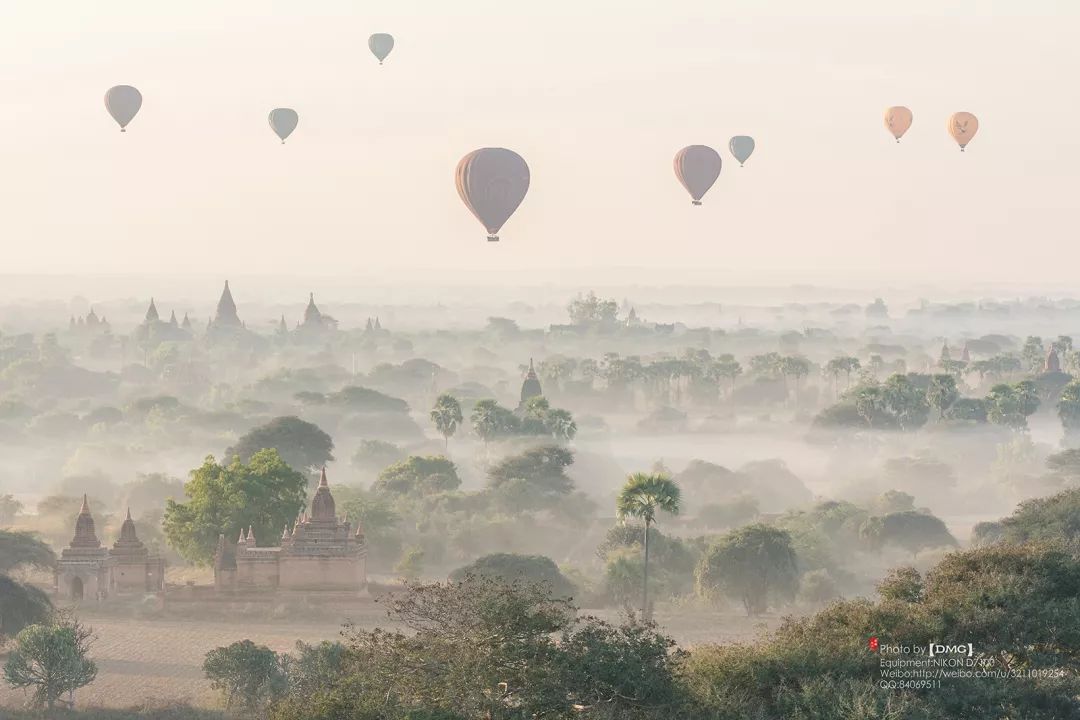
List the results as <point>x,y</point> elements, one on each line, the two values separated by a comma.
<point>641,496</point>
<point>447,416</point>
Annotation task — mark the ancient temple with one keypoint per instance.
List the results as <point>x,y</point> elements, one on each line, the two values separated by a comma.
<point>1053,362</point>
<point>315,322</point>
<point>226,316</point>
<point>135,568</point>
<point>531,387</point>
<point>86,570</point>
<point>320,552</point>
<point>154,330</point>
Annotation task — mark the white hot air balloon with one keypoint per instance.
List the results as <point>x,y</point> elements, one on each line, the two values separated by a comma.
<point>123,103</point>
<point>283,121</point>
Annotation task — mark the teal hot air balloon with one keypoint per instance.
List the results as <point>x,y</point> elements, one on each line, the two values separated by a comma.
<point>283,121</point>
<point>380,45</point>
<point>742,147</point>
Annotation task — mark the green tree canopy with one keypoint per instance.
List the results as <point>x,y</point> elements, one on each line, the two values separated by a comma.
<point>446,416</point>
<point>541,471</point>
<point>755,565</point>
<point>247,675</point>
<point>264,494</point>
<point>299,443</point>
<point>510,568</point>
<point>51,660</point>
<point>418,476</point>
<point>911,530</point>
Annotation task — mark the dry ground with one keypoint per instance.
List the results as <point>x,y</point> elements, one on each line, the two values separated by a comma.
<point>158,661</point>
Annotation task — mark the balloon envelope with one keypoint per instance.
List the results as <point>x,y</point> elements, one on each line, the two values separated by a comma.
<point>742,147</point>
<point>380,45</point>
<point>123,103</point>
<point>492,182</point>
<point>898,120</point>
<point>283,121</point>
<point>697,167</point>
<point>962,127</point>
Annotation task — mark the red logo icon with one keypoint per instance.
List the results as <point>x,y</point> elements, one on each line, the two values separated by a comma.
<point>873,644</point>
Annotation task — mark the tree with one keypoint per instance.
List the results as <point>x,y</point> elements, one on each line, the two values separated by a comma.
<point>1010,405</point>
<point>484,648</point>
<point>9,508</point>
<point>877,309</point>
<point>313,667</point>
<point>1033,354</point>
<point>1068,409</point>
<point>845,365</point>
<point>374,455</point>
<point>1015,605</point>
<point>510,568</point>
<point>52,660</point>
<point>540,471</point>
<point>245,673</point>
<point>560,424</point>
<point>20,548</point>
<point>22,604</point>
<point>300,444</point>
<point>265,494</point>
<point>641,496</point>
<point>797,367</point>
<point>968,410</point>
<point>905,401</point>
<point>446,415</point>
<point>755,564</point>
<point>418,476</point>
<point>726,367</point>
<point>1045,519</point>
<point>912,530</point>
<point>411,564</point>
<point>942,393</point>
<point>491,421</point>
<point>589,309</point>
<point>902,584</point>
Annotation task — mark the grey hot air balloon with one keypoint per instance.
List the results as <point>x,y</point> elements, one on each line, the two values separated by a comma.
<point>742,147</point>
<point>123,103</point>
<point>380,45</point>
<point>492,182</point>
<point>283,121</point>
<point>697,167</point>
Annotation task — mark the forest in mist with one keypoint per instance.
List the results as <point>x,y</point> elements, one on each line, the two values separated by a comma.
<point>835,460</point>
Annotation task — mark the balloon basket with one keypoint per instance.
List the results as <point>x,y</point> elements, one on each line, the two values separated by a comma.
<point>695,202</point>
<point>123,129</point>
<point>493,238</point>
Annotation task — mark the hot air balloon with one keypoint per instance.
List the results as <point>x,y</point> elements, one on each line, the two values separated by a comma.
<point>380,45</point>
<point>741,147</point>
<point>492,182</point>
<point>283,121</point>
<point>897,121</point>
<point>697,167</point>
<point>123,103</point>
<point>962,127</point>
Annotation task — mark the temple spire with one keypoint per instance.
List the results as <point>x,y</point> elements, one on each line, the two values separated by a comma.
<point>226,309</point>
<point>151,312</point>
<point>85,509</point>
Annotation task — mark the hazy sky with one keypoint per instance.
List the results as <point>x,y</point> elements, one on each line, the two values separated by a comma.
<point>597,95</point>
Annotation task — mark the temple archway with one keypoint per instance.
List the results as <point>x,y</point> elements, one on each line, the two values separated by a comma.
<point>76,588</point>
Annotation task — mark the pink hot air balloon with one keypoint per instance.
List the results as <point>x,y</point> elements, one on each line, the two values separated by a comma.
<point>697,167</point>
<point>492,182</point>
